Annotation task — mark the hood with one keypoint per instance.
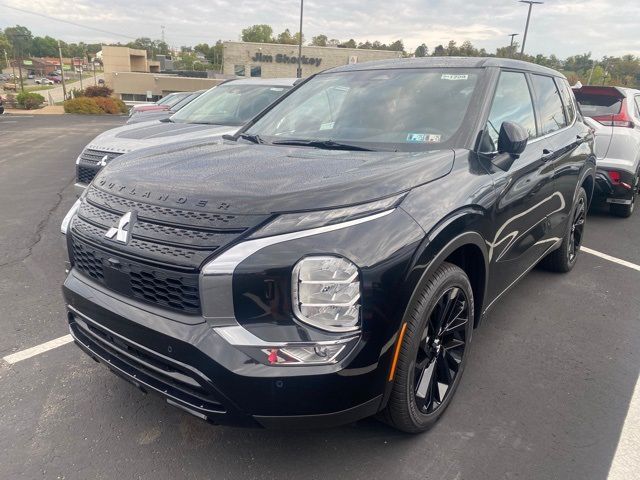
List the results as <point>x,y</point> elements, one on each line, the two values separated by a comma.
<point>148,134</point>
<point>149,116</point>
<point>264,179</point>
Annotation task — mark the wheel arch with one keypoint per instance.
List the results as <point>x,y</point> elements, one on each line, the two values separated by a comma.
<point>466,249</point>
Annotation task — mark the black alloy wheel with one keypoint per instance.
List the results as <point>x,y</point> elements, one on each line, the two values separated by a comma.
<point>577,228</point>
<point>441,350</point>
<point>433,351</point>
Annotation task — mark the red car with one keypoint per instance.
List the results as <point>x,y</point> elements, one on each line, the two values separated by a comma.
<point>165,103</point>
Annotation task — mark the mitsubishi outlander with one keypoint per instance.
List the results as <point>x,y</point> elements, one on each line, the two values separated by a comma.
<point>331,260</point>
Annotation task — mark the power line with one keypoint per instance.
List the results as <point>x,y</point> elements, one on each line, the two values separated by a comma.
<point>66,21</point>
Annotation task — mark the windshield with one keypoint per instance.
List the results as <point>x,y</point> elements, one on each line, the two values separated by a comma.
<point>229,104</point>
<point>186,100</point>
<point>395,109</point>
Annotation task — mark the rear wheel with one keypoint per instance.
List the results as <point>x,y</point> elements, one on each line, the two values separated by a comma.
<point>564,258</point>
<point>433,352</point>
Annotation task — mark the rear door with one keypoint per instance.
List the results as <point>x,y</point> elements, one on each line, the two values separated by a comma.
<point>562,136</point>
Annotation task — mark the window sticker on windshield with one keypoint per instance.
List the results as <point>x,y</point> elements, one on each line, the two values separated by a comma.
<point>417,137</point>
<point>448,76</point>
<point>276,89</point>
<point>434,138</point>
<point>326,126</point>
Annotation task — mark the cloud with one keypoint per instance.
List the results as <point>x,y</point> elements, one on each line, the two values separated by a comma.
<point>563,27</point>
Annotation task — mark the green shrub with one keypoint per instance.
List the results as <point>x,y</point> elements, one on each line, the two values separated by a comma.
<point>95,105</point>
<point>30,100</point>
<point>97,91</point>
<point>110,105</point>
<point>83,105</point>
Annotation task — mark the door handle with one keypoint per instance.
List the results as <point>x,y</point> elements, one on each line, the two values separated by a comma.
<point>547,155</point>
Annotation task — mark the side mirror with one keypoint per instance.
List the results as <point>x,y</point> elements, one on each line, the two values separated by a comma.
<point>512,140</point>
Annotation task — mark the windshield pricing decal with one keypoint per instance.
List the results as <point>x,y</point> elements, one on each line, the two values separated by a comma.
<point>433,138</point>
<point>326,126</point>
<point>448,76</point>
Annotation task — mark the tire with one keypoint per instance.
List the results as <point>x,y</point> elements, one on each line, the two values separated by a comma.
<point>564,258</point>
<point>417,398</point>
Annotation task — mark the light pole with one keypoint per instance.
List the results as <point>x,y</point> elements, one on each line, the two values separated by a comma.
<point>512,35</point>
<point>299,73</point>
<point>526,28</point>
<point>64,86</point>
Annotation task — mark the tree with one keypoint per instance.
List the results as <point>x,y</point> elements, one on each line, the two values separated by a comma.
<point>334,42</point>
<point>5,46</point>
<point>286,38</point>
<point>366,45</point>
<point>351,43</point>
<point>397,46</point>
<point>258,33</point>
<point>20,38</point>
<point>439,51</point>
<point>421,51</point>
<point>319,41</point>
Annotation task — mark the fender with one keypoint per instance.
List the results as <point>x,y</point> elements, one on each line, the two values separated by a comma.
<point>588,171</point>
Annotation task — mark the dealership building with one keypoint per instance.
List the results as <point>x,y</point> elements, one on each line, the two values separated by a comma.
<point>269,60</point>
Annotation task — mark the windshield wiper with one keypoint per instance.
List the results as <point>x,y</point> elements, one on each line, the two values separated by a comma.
<point>251,138</point>
<point>326,144</point>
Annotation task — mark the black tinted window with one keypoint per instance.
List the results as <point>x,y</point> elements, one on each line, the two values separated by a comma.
<point>594,105</point>
<point>511,103</point>
<point>549,104</point>
<point>567,99</point>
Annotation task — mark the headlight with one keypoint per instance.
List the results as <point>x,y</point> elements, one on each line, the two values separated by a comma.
<point>295,222</point>
<point>326,293</point>
<point>64,227</point>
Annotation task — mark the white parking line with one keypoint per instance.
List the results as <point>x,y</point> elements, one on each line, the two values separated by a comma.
<point>38,349</point>
<point>626,460</point>
<point>619,261</point>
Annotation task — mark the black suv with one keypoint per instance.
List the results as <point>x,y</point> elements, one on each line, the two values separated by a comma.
<point>330,260</point>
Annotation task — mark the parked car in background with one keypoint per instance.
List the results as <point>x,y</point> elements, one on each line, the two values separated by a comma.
<point>146,116</point>
<point>55,78</point>
<point>44,81</point>
<point>1,106</point>
<point>330,260</point>
<point>10,86</point>
<point>165,103</point>
<point>615,117</point>
<point>218,111</point>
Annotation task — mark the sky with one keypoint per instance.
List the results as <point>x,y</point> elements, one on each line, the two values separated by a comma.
<point>563,27</point>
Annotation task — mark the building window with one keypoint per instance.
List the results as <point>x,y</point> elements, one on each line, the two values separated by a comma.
<point>239,70</point>
<point>256,71</point>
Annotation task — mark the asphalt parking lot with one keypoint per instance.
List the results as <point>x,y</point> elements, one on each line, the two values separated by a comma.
<point>548,392</point>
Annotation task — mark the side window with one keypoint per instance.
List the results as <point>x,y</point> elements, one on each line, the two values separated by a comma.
<point>567,99</point>
<point>511,103</point>
<point>548,104</point>
<point>638,106</point>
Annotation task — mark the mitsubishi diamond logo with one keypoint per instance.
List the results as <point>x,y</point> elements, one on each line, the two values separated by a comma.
<point>122,233</point>
<point>103,161</point>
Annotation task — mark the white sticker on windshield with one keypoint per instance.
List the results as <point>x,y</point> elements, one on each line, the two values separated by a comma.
<point>276,89</point>
<point>326,126</point>
<point>434,138</point>
<point>448,76</point>
<point>417,137</point>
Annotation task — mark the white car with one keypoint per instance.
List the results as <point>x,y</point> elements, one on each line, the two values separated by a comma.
<point>44,81</point>
<point>614,114</point>
<point>220,110</point>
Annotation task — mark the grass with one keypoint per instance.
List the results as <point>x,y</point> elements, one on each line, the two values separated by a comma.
<point>37,88</point>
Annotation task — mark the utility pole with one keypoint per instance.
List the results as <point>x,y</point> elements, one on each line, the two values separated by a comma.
<point>162,35</point>
<point>299,73</point>
<point>20,62</point>
<point>512,35</point>
<point>95,80</point>
<point>64,87</point>
<point>526,28</point>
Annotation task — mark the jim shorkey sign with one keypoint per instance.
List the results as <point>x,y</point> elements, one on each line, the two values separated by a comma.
<point>282,58</point>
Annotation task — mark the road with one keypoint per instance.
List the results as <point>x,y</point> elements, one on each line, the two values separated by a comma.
<point>547,393</point>
<point>56,94</point>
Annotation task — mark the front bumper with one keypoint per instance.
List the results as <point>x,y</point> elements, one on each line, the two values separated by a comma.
<point>192,367</point>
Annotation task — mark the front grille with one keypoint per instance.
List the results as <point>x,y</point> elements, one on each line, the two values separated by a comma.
<point>86,174</point>
<point>88,167</point>
<point>162,287</point>
<point>161,262</point>
<point>92,157</point>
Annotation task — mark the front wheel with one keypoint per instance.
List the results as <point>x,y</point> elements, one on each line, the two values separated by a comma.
<point>625,211</point>
<point>564,258</point>
<point>433,351</point>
